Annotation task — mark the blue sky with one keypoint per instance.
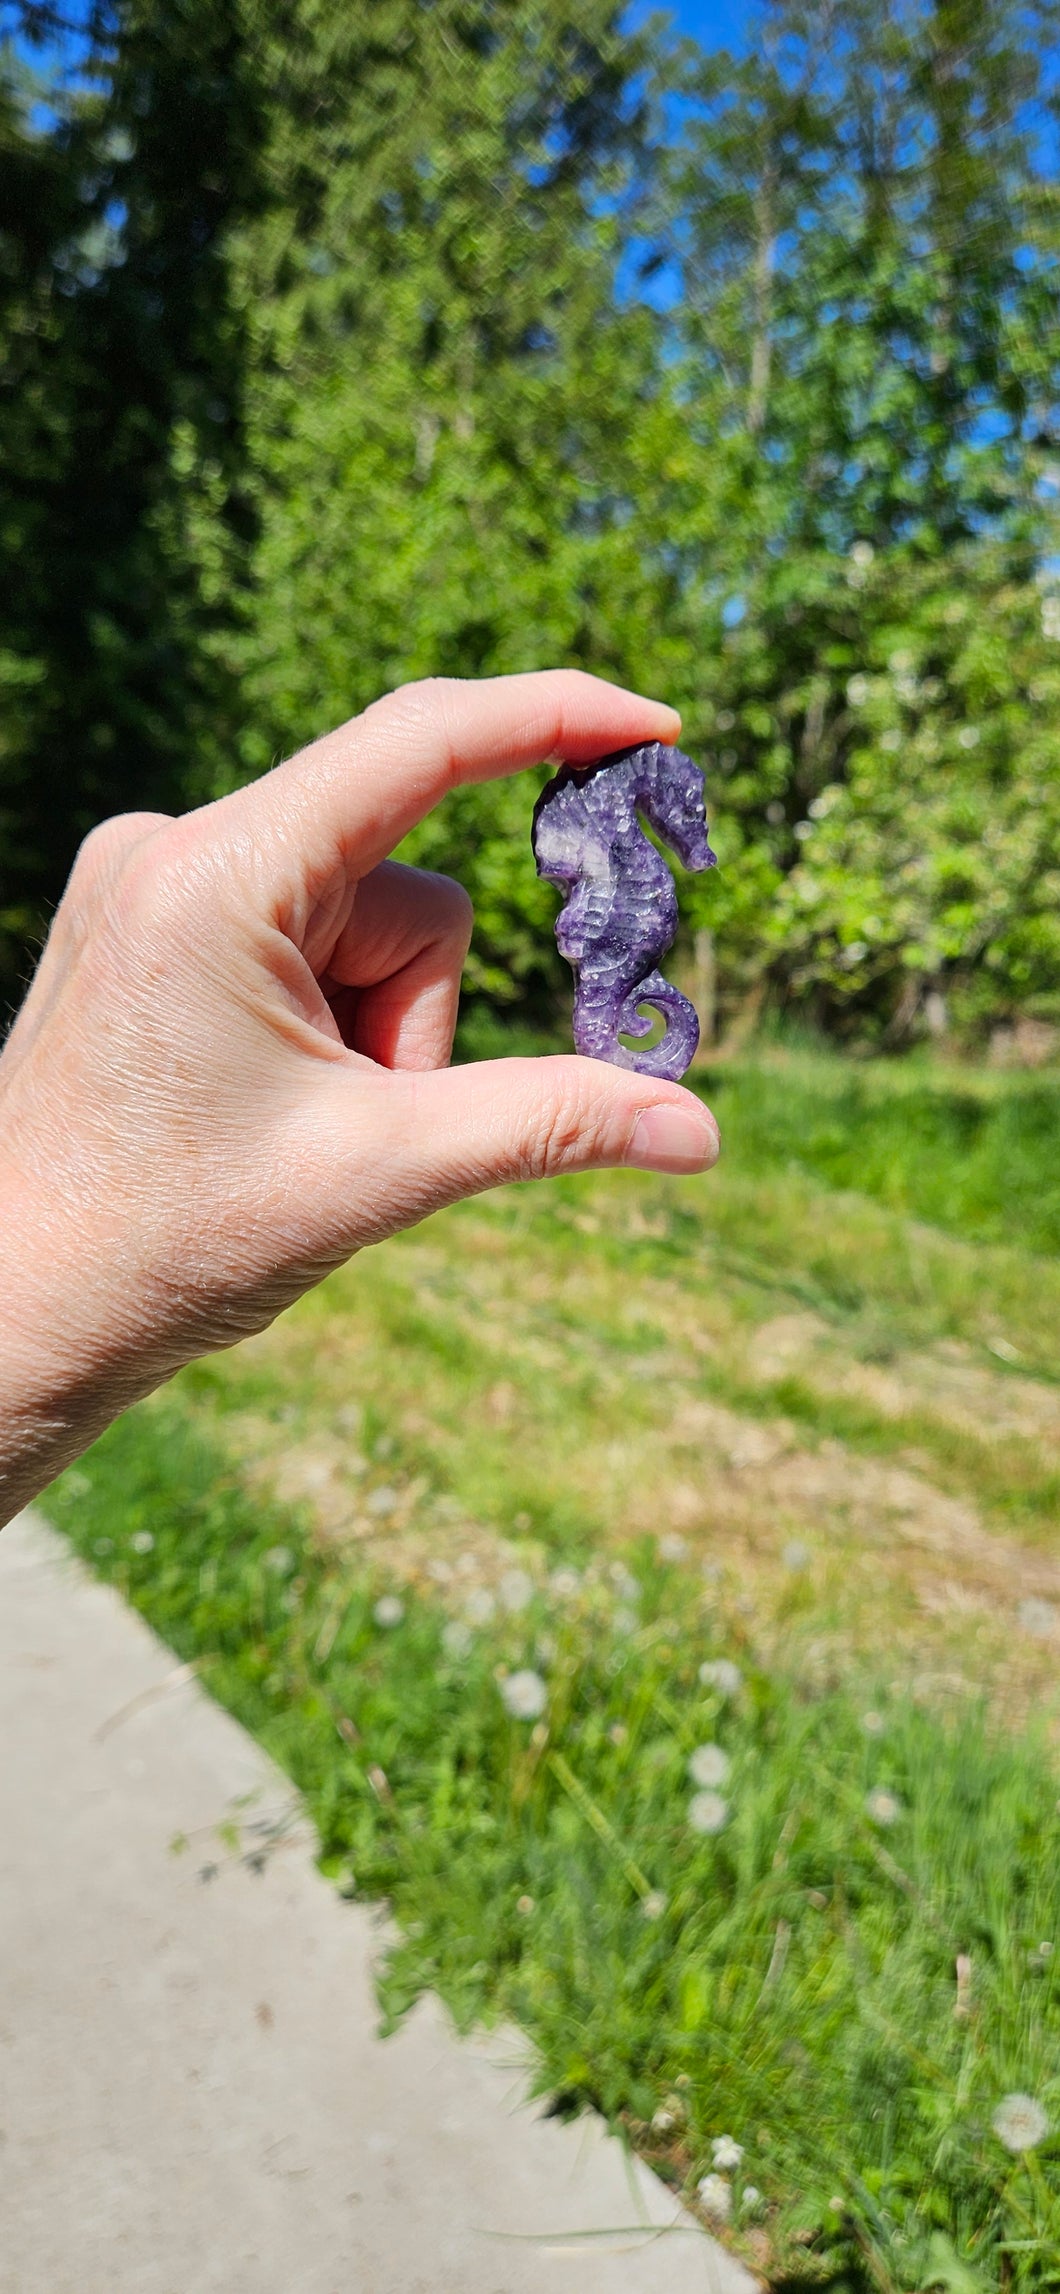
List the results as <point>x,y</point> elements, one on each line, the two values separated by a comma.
<point>718,23</point>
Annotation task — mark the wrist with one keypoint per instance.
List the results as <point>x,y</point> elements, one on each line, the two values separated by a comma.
<point>71,1353</point>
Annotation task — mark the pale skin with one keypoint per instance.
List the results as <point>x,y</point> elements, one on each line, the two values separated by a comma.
<point>231,1070</point>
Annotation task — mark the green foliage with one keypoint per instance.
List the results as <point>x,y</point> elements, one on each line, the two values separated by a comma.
<point>972,1155</point>
<point>120,431</point>
<point>345,342</point>
<point>791,1980</point>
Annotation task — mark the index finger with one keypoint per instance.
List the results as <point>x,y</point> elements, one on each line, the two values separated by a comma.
<point>354,794</point>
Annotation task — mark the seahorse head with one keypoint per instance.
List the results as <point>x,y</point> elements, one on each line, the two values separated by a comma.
<point>670,791</point>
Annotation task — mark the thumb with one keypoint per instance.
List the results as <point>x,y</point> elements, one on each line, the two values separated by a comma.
<point>469,1128</point>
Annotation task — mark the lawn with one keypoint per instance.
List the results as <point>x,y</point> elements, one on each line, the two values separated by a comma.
<point>651,1585</point>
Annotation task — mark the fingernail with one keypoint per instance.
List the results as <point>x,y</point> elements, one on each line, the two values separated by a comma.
<point>669,1138</point>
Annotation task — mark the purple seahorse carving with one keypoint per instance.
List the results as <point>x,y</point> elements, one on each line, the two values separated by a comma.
<point>620,914</point>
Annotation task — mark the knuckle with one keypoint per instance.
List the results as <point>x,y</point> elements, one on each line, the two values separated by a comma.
<point>455,908</point>
<point>560,1140</point>
<point>128,878</point>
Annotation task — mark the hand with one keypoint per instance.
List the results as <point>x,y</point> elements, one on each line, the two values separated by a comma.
<point>230,1071</point>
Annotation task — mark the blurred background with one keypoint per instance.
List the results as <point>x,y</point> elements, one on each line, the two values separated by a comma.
<point>653,1588</point>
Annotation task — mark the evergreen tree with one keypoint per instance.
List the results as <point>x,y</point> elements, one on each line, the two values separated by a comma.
<point>120,430</point>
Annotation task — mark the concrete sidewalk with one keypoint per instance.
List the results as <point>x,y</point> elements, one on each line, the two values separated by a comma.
<point>193,2097</point>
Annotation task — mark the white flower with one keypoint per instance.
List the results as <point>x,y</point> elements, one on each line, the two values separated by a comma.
<point>653,1905</point>
<point>726,2153</point>
<point>479,1606</point>
<point>715,2197</point>
<point>457,1638</point>
<point>857,694</point>
<point>709,1764</point>
<point>280,1559</point>
<point>720,1673</point>
<point>1019,2122</point>
<point>853,954</point>
<point>142,1542</point>
<point>663,2121</point>
<point>708,1812</point>
<point>516,1590</point>
<point>389,1609</point>
<point>1051,617</point>
<point>750,2196</point>
<point>968,737</point>
<point>671,1546</point>
<point>891,739</point>
<point>861,553</point>
<point>873,1723</point>
<point>564,1584</point>
<point>524,1695</point>
<point>901,660</point>
<point>883,1807</point>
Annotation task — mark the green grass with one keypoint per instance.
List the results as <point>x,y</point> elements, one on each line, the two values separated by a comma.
<point>790,1981</point>
<point>975,1154</point>
<point>842,1345</point>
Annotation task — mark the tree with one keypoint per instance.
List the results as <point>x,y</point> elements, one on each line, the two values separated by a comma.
<point>865,216</point>
<point>121,421</point>
<point>459,434</point>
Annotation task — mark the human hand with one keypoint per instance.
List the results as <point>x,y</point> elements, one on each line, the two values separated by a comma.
<point>230,1071</point>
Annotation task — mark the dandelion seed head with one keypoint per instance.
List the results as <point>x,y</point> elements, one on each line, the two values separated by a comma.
<point>725,2152</point>
<point>1038,1617</point>
<point>720,1673</point>
<point>564,1584</point>
<point>516,1590</point>
<point>457,1638</point>
<point>480,1606</point>
<point>1019,2122</point>
<point>708,1764</point>
<point>708,1812</point>
<point>524,1695</point>
<point>524,1906</point>
<point>884,1807</point>
<point>750,2196</point>
<point>142,1541</point>
<point>715,2197</point>
<point>873,1723</point>
<point>389,1609</point>
<point>279,1559</point>
<point>653,1905</point>
<point>671,1546</point>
